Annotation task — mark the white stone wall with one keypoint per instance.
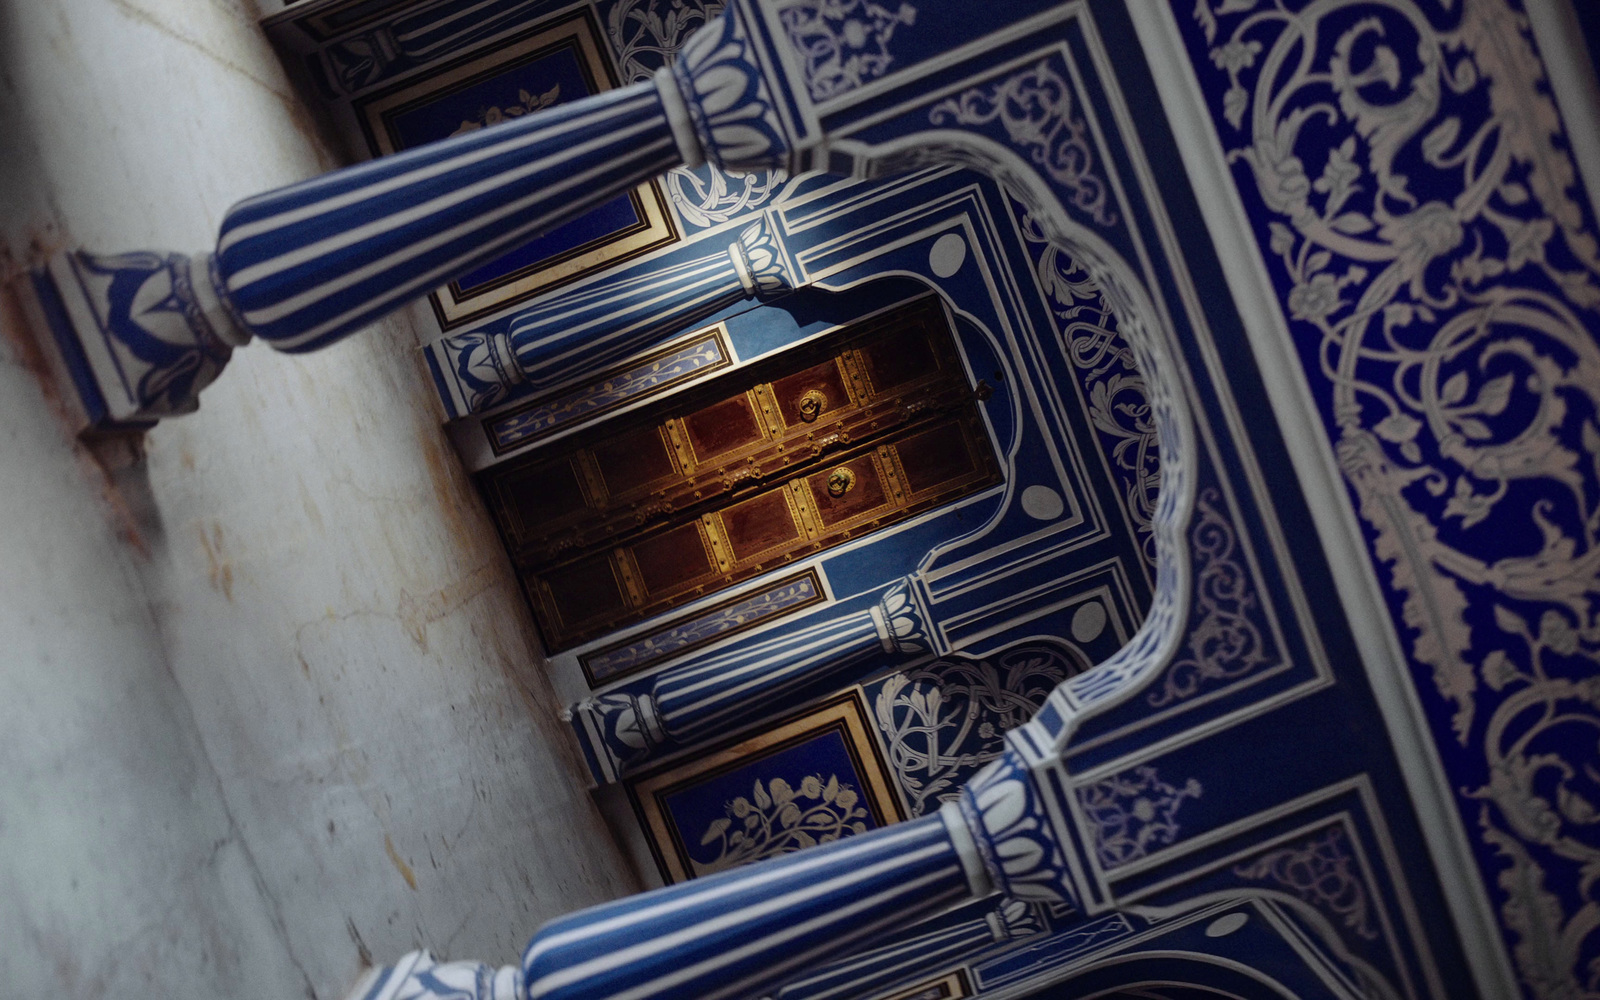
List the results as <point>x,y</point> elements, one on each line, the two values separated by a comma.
<point>271,702</point>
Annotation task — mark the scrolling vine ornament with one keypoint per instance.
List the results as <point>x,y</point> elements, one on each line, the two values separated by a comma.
<point>1419,213</point>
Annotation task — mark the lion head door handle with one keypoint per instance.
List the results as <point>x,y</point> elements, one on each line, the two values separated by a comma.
<point>839,481</point>
<point>811,404</point>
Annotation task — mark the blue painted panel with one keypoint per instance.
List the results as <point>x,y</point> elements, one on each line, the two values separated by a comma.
<point>807,793</point>
<point>1438,276</point>
<point>554,76</point>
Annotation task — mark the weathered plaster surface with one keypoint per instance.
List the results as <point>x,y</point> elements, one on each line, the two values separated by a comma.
<point>272,701</point>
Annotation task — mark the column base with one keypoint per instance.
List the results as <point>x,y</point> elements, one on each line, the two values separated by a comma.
<point>136,336</point>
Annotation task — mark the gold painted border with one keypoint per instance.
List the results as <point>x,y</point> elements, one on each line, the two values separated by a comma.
<point>845,712</point>
<point>454,306</point>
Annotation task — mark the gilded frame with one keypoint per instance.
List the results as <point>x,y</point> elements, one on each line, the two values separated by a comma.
<point>845,714</point>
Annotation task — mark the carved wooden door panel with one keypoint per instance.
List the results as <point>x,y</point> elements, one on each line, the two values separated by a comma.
<point>752,471</point>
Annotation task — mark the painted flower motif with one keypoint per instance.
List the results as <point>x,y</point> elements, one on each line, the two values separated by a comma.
<point>1397,427</point>
<point>1339,175</point>
<point>1234,104</point>
<point>777,818</point>
<point>526,104</point>
<point>1316,299</point>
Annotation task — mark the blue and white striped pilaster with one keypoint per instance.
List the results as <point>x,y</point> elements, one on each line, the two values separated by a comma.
<point>908,957</point>
<point>308,264</point>
<point>741,683</point>
<point>726,687</point>
<point>583,329</point>
<point>741,932</point>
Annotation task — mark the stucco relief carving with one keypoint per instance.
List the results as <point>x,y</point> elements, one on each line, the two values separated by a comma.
<point>1037,110</point>
<point>644,39</point>
<point>844,43</point>
<point>1322,871</point>
<point>1133,813</point>
<point>943,720</point>
<point>1224,643</point>
<point>1413,193</point>
<point>1119,400</point>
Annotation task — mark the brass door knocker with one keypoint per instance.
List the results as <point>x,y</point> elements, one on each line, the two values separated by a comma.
<point>811,404</point>
<point>840,480</point>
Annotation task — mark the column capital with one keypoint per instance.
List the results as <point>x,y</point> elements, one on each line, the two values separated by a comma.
<point>728,100</point>
<point>138,334</point>
<point>1015,836</point>
<point>902,620</point>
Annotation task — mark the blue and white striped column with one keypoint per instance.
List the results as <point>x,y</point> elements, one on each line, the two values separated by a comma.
<point>746,932</point>
<point>920,955</point>
<point>141,334</point>
<point>308,264</point>
<point>685,704</point>
<point>740,932</point>
<point>581,330</point>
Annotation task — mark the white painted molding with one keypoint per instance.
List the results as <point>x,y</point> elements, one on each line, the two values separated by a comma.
<point>1566,63</point>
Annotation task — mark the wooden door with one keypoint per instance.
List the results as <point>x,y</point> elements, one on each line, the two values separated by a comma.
<point>748,473</point>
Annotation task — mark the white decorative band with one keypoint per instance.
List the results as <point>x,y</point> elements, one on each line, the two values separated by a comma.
<point>218,311</point>
<point>650,719</point>
<point>997,926</point>
<point>741,267</point>
<point>885,637</point>
<point>955,824</point>
<point>677,114</point>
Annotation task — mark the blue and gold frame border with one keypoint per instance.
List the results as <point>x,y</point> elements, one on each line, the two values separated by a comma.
<point>688,358</point>
<point>812,778</point>
<point>744,611</point>
<point>551,62</point>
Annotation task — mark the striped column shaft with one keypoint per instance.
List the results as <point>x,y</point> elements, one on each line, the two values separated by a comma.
<point>580,331</point>
<point>741,932</point>
<point>586,332</point>
<point>918,954</point>
<point>745,679</point>
<point>308,264</point>
<point>874,972</point>
<point>621,730</point>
